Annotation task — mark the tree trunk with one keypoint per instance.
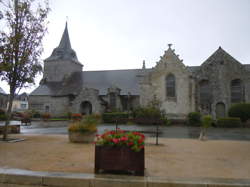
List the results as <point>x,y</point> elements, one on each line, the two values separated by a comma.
<point>7,122</point>
<point>203,134</point>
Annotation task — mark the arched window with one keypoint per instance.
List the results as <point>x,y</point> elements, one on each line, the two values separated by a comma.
<point>205,94</point>
<point>236,91</point>
<point>170,85</point>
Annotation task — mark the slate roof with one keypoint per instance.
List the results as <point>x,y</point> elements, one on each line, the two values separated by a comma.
<point>193,69</point>
<point>2,91</point>
<point>126,80</point>
<point>64,50</point>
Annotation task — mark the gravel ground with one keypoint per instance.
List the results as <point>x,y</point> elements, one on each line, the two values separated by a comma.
<point>173,157</point>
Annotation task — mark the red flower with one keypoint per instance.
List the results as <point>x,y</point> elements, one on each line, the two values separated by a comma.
<point>124,138</point>
<point>140,140</point>
<point>130,143</point>
<point>141,147</point>
<point>115,140</point>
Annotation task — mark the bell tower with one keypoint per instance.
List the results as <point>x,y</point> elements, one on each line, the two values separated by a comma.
<point>62,62</point>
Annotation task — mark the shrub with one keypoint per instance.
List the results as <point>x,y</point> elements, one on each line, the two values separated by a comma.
<point>87,124</point>
<point>194,119</point>
<point>3,117</point>
<point>76,117</point>
<point>36,115</point>
<point>2,111</point>
<point>46,116</point>
<point>229,122</point>
<point>149,115</point>
<point>207,121</point>
<point>113,116</point>
<point>241,110</point>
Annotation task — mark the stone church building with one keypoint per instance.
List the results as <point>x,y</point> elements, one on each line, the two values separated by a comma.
<point>209,88</point>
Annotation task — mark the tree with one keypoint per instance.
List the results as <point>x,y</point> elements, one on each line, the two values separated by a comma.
<point>21,44</point>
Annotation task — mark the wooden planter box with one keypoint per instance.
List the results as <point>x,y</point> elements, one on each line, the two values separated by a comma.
<point>119,160</point>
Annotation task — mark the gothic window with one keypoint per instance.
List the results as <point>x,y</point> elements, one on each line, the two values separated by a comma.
<point>205,93</point>
<point>236,91</point>
<point>170,85</point>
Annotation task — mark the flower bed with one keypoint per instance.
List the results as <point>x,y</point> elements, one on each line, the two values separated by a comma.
<point>133,140</point>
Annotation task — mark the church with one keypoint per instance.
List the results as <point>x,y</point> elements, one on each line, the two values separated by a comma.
<point>210,88</point>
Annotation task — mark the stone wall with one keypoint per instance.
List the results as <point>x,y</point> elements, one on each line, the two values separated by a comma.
<point>58,106</point>
<point>219,70</point>
<point>90,95</point>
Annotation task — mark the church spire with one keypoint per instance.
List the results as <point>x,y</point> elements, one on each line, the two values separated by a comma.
<point>64,50</point>
<point>65,41</point>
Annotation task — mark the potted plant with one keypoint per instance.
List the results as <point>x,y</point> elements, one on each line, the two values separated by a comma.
<point>83,131</point>
<point>120,152</point>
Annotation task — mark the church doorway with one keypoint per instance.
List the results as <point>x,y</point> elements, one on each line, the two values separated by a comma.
<point>220,110</point>
<point>86,108</point>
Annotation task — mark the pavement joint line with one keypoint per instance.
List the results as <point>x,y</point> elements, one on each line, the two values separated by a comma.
<point>12,172</point>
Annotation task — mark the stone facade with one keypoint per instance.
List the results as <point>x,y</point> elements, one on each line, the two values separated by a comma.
<point>210,88</point>
<point>155,85</point>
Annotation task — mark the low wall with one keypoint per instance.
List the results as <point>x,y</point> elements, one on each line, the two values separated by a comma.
<point>25,178</point>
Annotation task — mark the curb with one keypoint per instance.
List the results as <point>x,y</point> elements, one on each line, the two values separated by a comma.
<point>21,178</point>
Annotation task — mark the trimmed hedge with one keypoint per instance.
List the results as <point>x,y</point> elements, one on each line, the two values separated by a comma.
<point>229,122</point>
<point>194,119</point>
<point>113,116</point>
<point>241,110</point>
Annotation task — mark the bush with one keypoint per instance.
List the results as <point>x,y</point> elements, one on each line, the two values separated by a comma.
<point>46,116</point>
<point>241,110</point>
<point>36,115</point>
<point>229,122</point>
<point>87,124</point>
<point>3,117</point>
<point>207,121</point>
<point>113,116</point>
<point>2,111</point>
<point>149,115</point>
<point>194,119</point>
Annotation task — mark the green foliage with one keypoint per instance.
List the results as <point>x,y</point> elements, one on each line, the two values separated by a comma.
<point>2,111</point>
<point>36,114</point>
<point>241,110</point>
<point>111,117</point>
<point>149,114</point>
<point>21,44</point>
<point>194,119</point>
<point>229,122</point>
<point>207,121</point>
<point>87,124</point>
<point>3,117</point>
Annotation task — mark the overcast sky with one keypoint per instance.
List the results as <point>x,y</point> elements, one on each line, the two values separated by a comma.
<point>120,34</point>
